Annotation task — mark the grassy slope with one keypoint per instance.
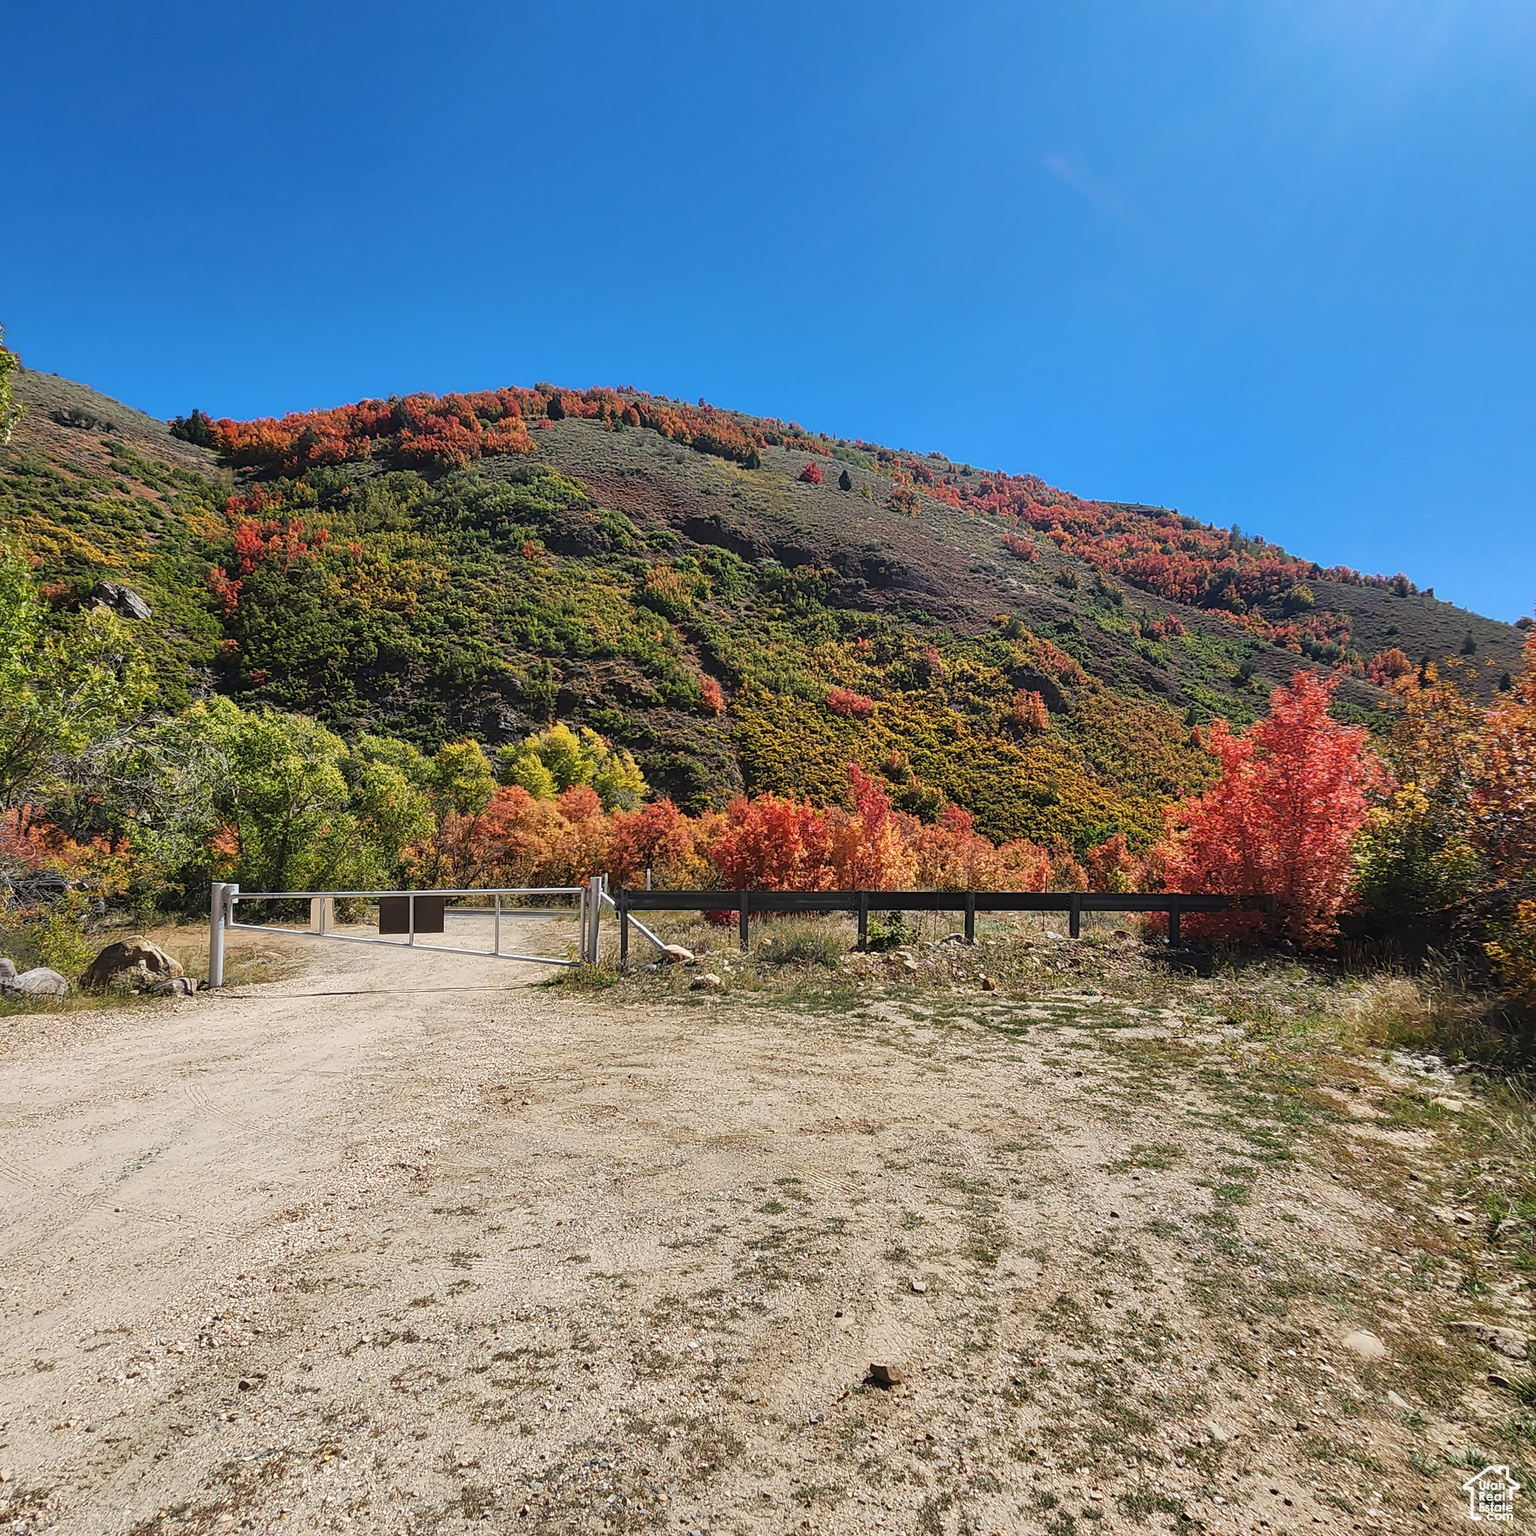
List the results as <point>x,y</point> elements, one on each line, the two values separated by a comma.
<point>656,566</point>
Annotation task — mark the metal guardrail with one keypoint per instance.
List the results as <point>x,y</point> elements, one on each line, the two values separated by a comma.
<point>1073,903</point>
<point>423,911</point>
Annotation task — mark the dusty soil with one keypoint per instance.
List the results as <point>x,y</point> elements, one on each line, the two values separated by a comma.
<point>405,1244</point>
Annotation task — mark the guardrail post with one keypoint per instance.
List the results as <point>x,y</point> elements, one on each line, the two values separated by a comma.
<point>970,917</point>
<point>1173,922</point>
<point>594,916</point>
<point>863,919</point>
<point>1075,914</point>
<point>216,920</point>
<point>411,903</point>
<point>623,905</point>
<point>741,912</point>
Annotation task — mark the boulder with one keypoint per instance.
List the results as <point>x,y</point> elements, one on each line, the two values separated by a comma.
<point>131,962</point>
<point>7,968</point>
<point>121,599</point>
<point>38,982</point>
<point>706,983</point>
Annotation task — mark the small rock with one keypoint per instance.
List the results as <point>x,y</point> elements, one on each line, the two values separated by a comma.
<point>1366,1345</point>
<point>250,1383</point>
<point>7,968</point>
<point>173,986</point>
<point>1218,1432</point>
<point>1506,1341</point>
<point>38,982</point>
<point>676,954</point>
<point>885,1375</point>
<point>1495,1380</point>
<point>989,983</point>
<point>708,982</point>
<point>1396,1401</point>
<point>919,1287</point>
<point>1464,1218</point>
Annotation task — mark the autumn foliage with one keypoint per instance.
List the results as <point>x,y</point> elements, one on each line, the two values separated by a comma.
<point>844,701</point>
<point>772,844</point>
<point>509,837</point>
<point>1504,798</point>
<point>452,430</point>
<point>1029,712</point>
<point>1153,548</point>
<point>1294,790</point>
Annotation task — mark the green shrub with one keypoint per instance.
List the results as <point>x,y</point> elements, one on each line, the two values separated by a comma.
<point>54,937</point>
<point>888,931</point>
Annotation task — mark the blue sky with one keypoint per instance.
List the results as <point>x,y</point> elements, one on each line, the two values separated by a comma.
<point>1269,263</point>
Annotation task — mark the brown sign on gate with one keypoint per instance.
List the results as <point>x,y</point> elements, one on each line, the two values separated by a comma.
<point>395,914</point>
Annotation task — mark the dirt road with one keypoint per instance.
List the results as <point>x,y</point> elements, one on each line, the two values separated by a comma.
<point>401,1244</point>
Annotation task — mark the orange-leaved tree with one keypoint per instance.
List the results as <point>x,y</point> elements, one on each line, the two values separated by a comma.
<point>769,844</point>
<point>658,838</point>
<point>1504,796</point>
<point>1294,790</point>
<point>1504,824</point>
<point>869,848</point>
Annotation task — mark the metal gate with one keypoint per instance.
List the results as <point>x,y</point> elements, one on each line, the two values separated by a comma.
<point>403,917</point>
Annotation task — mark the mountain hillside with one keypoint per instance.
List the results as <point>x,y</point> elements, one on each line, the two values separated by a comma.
<point>742,603</point>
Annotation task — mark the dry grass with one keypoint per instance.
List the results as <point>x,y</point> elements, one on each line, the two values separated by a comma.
<point>1433,1011</point>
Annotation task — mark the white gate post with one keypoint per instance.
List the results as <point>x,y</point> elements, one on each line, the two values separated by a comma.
<point>218,915</point>
<point>594,916</point>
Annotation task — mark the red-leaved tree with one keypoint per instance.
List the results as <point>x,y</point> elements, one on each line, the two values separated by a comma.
<point>771,844</point>
<point>1294,790</point>
<point>656,837</point>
